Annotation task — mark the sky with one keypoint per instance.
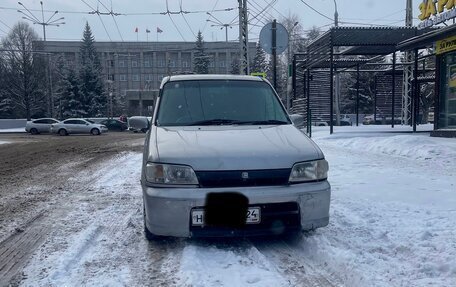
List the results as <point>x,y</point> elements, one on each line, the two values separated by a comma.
<point>122,27</point>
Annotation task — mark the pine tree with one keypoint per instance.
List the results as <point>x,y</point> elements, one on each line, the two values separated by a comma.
<point>201,60</point>
<point>72,102</point>
<point>259,64</point>
<point>93,97</point>
<point>235,66</point>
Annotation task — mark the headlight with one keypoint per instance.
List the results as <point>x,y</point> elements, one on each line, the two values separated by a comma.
<point>309,171</point>
<point>170,174</point>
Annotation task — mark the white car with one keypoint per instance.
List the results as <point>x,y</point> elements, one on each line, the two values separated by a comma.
<point>40,125</point>
<point>78,126</point>
<point>222,158</point>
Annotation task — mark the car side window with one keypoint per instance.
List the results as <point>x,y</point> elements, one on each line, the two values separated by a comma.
<point>40,122</point>
<point>79,122</point>
<point>69,122</point>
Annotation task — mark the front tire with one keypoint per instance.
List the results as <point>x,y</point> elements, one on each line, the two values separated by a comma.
<point>95,132</point>
<point>34,131</point>
<point>63,132</point>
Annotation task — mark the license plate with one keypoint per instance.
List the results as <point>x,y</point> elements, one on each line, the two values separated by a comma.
<point>253,216</point>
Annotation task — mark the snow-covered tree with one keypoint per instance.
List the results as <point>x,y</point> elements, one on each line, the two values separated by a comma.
<point>24,81</point>
<point>91,83</point>
<point>235,66</point>
<point>260,63</point>
<point>201,59</point>
<point>72,100</point>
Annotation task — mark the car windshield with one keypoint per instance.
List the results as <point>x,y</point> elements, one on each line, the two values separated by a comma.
<point>219,102</point>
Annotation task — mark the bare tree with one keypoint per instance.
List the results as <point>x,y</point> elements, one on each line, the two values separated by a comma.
<point>24,71</point>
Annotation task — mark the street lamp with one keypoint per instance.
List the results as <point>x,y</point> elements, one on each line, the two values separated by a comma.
<point>337,76</point>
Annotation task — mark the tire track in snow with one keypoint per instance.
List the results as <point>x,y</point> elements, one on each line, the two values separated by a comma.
<point>99,240</point>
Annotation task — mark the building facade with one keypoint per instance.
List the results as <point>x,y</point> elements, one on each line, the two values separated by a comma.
<point>141,66</point>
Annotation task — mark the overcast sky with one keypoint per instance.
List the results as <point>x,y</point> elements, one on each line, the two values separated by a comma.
<point>386,12</point>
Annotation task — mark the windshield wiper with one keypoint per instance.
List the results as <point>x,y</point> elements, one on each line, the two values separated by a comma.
<point>212,122</point>
<point>266,122</point>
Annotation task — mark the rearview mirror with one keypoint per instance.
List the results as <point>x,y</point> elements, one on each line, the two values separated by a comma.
<point>138,124</point>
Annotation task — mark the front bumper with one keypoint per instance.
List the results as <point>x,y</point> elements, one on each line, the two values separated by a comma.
<point>168,210</point>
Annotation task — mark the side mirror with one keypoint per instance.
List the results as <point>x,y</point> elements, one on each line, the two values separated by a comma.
<point>138,123</point>
<point>298,120</point>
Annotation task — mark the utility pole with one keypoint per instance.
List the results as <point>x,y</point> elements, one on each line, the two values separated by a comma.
<point>337,75</point>
<point>274,53</point>
<point>408,71</point>
<point>243,38</point>
<point>49,22</point>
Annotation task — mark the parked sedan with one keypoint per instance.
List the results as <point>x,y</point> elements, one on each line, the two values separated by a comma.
<point>114,125</point>
<point>78,126</point>
<point>40,125</point>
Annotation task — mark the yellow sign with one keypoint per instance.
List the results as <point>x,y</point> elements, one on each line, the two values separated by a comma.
<point>452,76</point>
<point>435,12</point>
<point>263,75</point>
<point>431,7</point>
<point>446,45</point>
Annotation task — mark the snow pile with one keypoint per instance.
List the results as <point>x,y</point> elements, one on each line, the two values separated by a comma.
<point>4,142</point>
<point>13,130</point>
<point>213,266</point>
<point>393,217</point>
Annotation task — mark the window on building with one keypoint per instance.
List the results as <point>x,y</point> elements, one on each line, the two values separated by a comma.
<point>222,64</point>
<point>161,63</point>
<point>147,63</point>
<point>123,77</point>
<point>172,63</point>
<point>135,78</point>
<point>211,64</point>
<point>148,77</point>
<point>185,64</point>
<point>134,63</point>
<point>121,63</point>
<point>110,77</point>
<point>110,63</point>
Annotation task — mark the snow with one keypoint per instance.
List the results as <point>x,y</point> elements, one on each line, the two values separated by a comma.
<point>393,218</point>
<point>13,130</point>
<point>393,207</point>
<point>222,266</point>
<point>4,142</point>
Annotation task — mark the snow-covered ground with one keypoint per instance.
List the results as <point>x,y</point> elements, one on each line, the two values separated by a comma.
<point>4,142</point>
<point>13,130</point>
<point>393,219</point>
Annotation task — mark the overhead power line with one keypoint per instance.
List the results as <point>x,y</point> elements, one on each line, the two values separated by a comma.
<point>316,11</point>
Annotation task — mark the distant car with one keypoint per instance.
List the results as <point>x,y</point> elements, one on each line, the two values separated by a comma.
<point>114,125</point>
<point>40,125</point>
<point>320,123</point>
<point>78,126</point>
<point>345,121</point>
<point>132,122</point>
<point>431,117</point>
<point>369,120</point>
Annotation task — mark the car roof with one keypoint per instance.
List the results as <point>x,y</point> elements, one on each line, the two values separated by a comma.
<point>209,77</point>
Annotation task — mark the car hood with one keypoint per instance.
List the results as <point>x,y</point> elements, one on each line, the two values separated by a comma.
<point>232,147</point>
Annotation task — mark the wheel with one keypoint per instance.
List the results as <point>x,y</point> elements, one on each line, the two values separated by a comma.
<point>63,132</point>
<point>95,132</point>
<point>34,131</point>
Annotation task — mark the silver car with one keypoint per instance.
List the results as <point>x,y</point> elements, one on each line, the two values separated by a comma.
<point>40,125</point>
<point>78,126</point>
<point>222,158</point>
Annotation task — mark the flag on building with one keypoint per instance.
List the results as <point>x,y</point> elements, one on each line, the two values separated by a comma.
<point>136,30</point>
<point>147,30</point>
<point>159,30</point>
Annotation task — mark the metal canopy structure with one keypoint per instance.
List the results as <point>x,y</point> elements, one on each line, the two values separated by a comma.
<point>343,48</point>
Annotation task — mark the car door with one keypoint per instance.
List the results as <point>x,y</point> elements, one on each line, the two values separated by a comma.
<point>47,125</point>
<point>70,126</point>
<point>40,125</point>
<point>82,126</point>
<point>114,125</point>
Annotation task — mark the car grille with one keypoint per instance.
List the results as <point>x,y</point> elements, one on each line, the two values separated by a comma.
<point>270,177</point>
